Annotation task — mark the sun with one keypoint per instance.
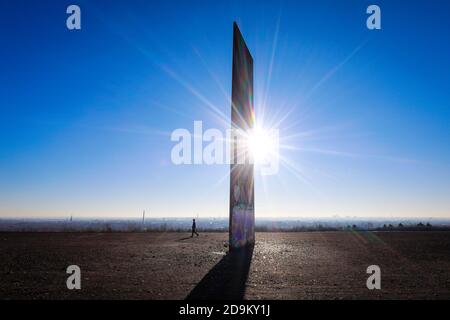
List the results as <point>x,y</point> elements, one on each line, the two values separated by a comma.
<point>262,144</point>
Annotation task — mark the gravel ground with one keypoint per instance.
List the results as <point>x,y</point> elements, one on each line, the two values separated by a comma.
<point>291,265</point>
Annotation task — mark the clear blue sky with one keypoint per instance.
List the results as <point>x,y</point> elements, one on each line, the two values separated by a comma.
<point>85,115</point>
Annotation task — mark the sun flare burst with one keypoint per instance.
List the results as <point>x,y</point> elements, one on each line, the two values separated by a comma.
<point>263,144</point>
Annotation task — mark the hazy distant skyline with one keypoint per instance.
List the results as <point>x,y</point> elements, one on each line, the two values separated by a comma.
<point>86,116</point>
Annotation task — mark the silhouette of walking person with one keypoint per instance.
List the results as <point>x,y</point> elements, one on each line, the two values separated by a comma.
<point>194,228</point>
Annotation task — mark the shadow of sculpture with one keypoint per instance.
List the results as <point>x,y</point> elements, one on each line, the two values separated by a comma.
<point>227,279</point>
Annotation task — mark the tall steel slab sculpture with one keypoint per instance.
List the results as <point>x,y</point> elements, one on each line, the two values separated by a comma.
<point>242,210</point>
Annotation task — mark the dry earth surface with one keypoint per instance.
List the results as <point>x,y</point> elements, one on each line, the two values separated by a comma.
<point>291,265</point>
